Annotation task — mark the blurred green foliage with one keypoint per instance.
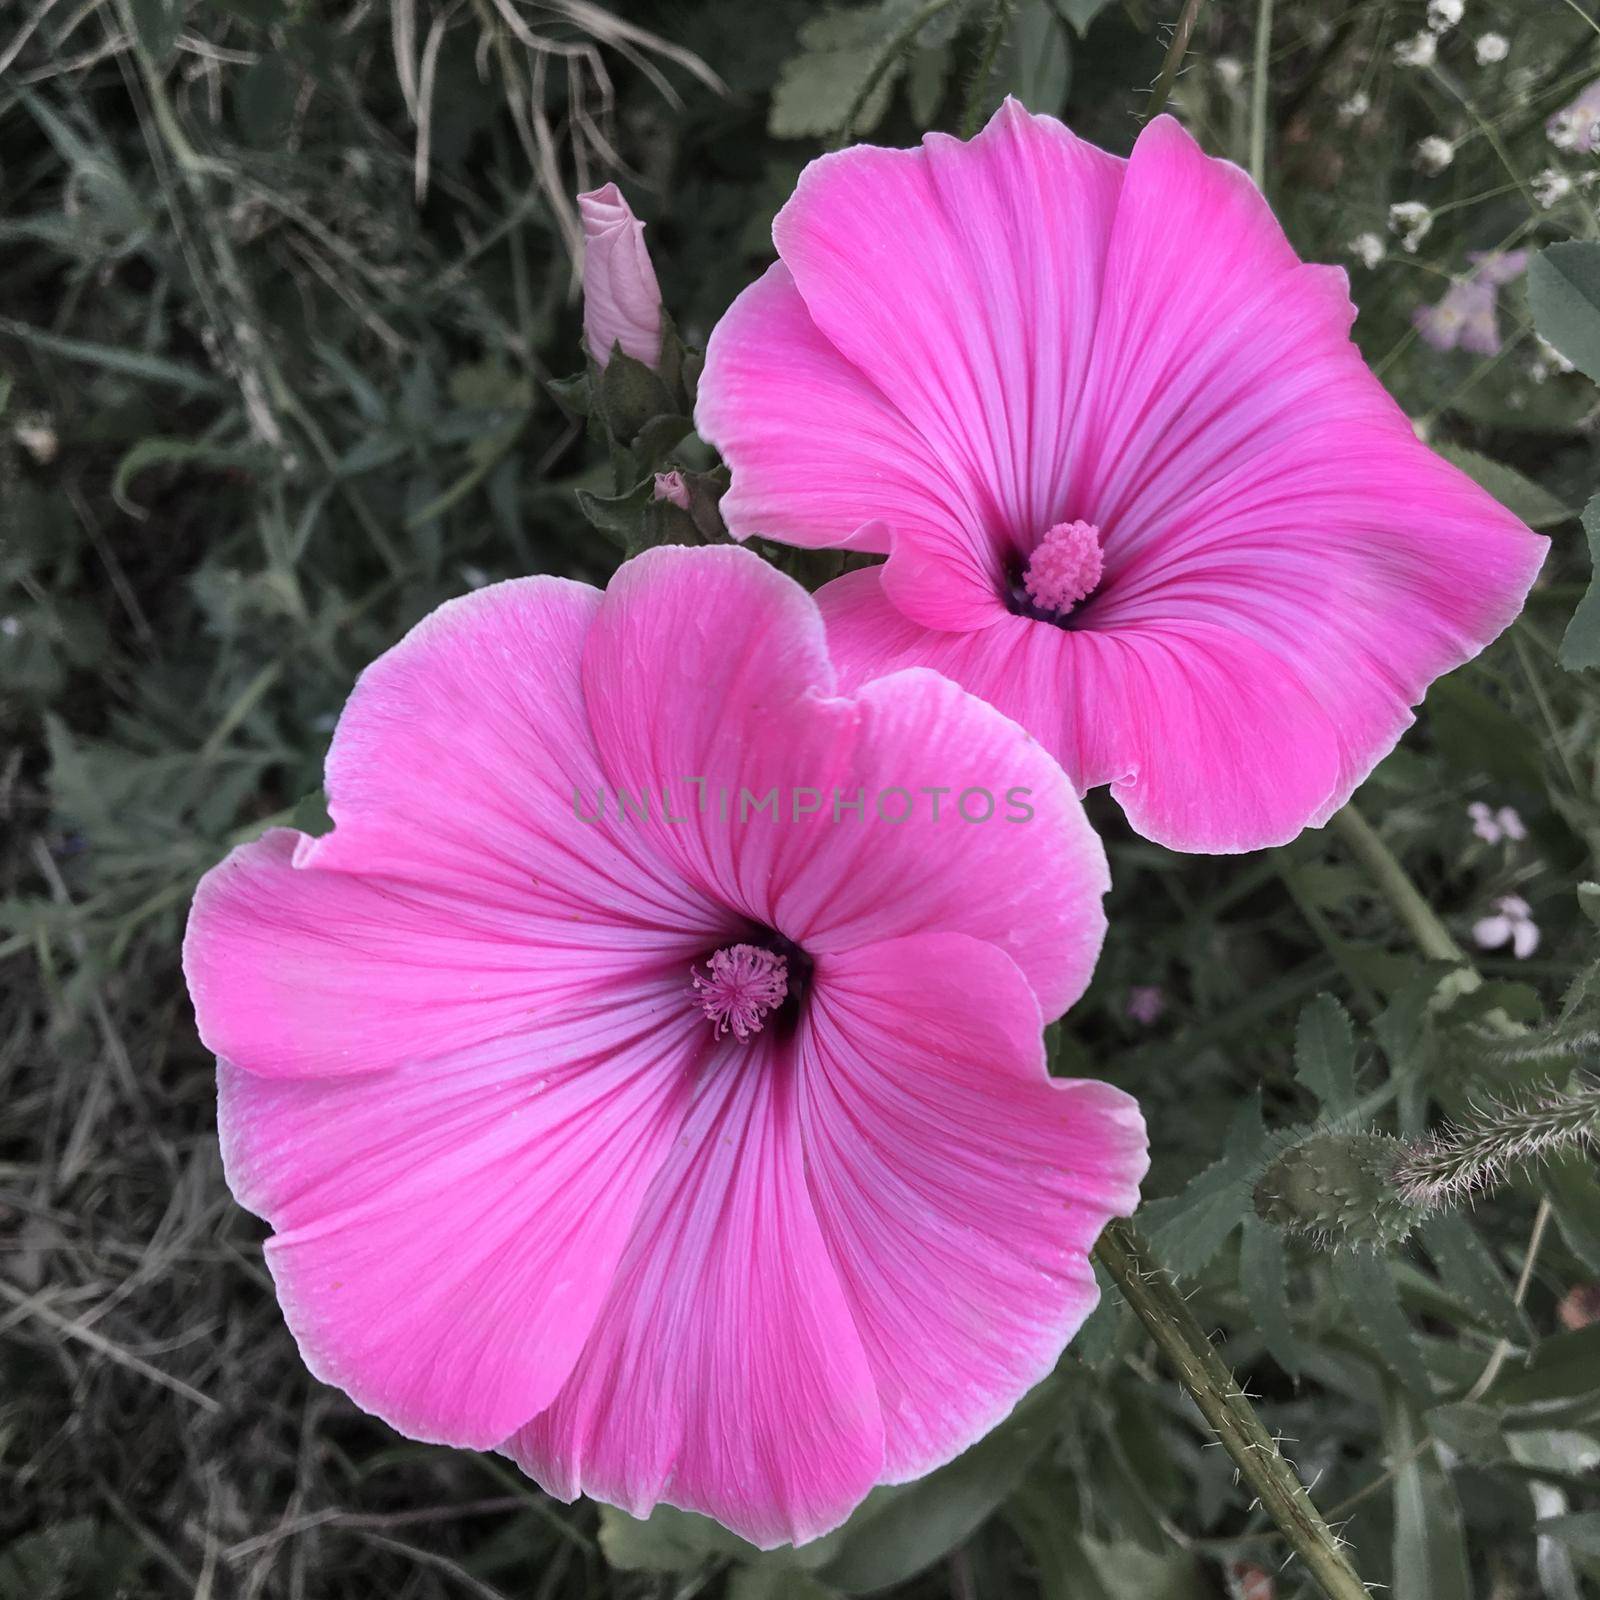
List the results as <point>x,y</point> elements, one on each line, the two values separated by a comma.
<point>283,288</point>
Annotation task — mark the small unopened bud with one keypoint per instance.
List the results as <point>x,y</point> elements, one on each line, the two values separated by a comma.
<point>671,488</point>
<point>621,299</point>
<point>1337,1190</point>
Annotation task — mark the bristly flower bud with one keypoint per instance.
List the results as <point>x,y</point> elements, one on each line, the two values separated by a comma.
<point>1337,1190</point>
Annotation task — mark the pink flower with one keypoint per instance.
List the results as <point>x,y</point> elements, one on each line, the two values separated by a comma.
<point>621,300</point>
<point>706,1155</point>
<point>1467,314</point>
<point>969,350</point>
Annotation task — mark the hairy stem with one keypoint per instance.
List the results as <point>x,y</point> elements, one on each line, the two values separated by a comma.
<point>1478,1152</point>
<point>1154,1298</point>
<point>1176,51</point>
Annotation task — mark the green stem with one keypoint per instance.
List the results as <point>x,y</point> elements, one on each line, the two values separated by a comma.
<point>1391,881</point>
<point>1154,1298</point>
<point>1258,96</point>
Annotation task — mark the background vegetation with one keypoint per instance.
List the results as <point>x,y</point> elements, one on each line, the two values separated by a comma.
<point>282,290</point>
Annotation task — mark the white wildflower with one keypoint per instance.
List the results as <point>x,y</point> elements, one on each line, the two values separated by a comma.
<point>1443,15</point>
<point>1491,47</point>
<point>1550,187</point>
<point>1417,51</point>
<point>1230,70</point>
<point>1434,153</point>
<point>1411,220</point>
<point>1357,105</point>
<point>1368,249</point>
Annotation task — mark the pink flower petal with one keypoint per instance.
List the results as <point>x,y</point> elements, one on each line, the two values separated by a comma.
<point>725,1374</point>
<point>963,280</point>
<point>459,893</point>
<point>822,455</point>
<point>445,1234</point>
<point>1207,742</point>
<point>960,1189</point>
<point>1254,476</point>
<point>829,865</point>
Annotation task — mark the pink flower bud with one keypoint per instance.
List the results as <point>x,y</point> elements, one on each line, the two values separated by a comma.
<point>670,486</point>
<point>621,300</point>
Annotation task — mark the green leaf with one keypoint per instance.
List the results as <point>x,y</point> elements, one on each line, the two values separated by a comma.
<point>776,1583</point>
<point>311,815</point>
<point>1080,13</point>
<point>1039,68</point>
<point>1580,1531</point>
<point>1560,1375</point>
<point>1188,1229</point>
<point>1477,736</point>
<point>668,1540</point>
<point>109,358</point>
<point>1263,1281</point>
<point>1430,1554</point>
<point>1521,496</point>
<point>1325,1055</point>
<point>842,52</point>
<point>1564,296</point>
<point>1470,1272</point>
<point>630,396</point>
<point>1580,644</point>
<point>896,1535</point>
<point>1471,1430</point>
<point>1365,1288</point>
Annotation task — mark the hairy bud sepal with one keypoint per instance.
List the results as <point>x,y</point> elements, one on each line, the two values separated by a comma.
<point>1337,1190</point>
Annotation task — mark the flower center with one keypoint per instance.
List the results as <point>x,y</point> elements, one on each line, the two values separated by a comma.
<point>740,985</point>
<point>1064,568</point>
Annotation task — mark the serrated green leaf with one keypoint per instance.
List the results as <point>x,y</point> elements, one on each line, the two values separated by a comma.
<point>842,53</point>
<point>1367,1293</point>
<point>1325,1055</point>
<point>1564,296</point>
<point>1580,644</point>
<point>1471,1273</point>
<point>1263,1282</point>
<point>1188,1229</point>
